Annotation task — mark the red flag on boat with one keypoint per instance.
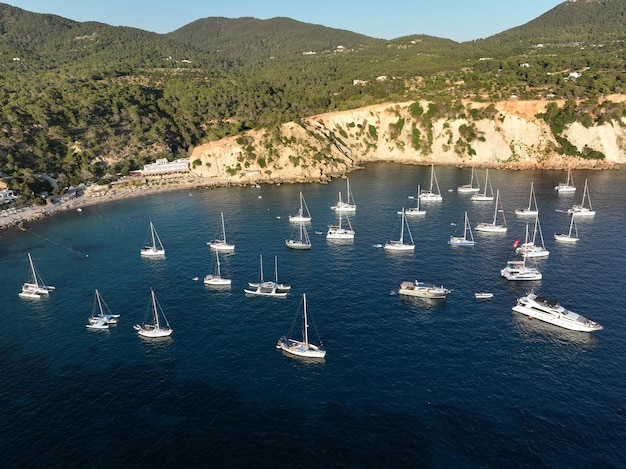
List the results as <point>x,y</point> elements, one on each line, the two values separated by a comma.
<point>515,244</point>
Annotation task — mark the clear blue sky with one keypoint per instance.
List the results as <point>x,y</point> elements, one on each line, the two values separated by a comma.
<point>459,20</point>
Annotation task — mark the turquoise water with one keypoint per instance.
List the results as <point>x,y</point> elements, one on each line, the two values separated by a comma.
<point>404,383</point>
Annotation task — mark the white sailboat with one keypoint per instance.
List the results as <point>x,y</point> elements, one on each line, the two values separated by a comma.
<point>582,210</point>
<point>530,249</point>
<point>414,211</point>
<point>216,279</point>
<point>532,209</point>
<point>300,240</point>
<point>430,195</point>
<point>400,245</point>
<point>266,287</point>
<point>301,348</point>
<point>465,188</point>
<point>567,186</point>
<point>518,270</point>
<point>493,227</point>
<point>101,316</point>
<point>34,287</point>
<point>338,233</point>
<point>221,244</point>
<point>155,247</point>
<point>464,240</point>
<point>303,215</point>
<point>349,205</point>
<point>484,197</point>
<point>571,236</point>
<point>155,324</point>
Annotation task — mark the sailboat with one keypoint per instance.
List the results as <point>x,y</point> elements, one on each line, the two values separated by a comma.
<point>155,324</point>
<point>337,233</point>
<point>429,195</point>
<point>493,227</point>
<point>532,209</point>
<point>470,187</point>
<point>101,316</point>
<point>581,210</point>
<point>266,287</point>
<point>567,186</point>
<point>221,244</point>
<point>216,280</point>
<point>484,197</point>
<point>301,348</point>
<point>463,240</point>
<point>400,245</point>
<point>34,287</point>
<point>413,211</point>
<point>301,241</point>
<point>518,270</point>
<point>568,238</point>
<point>530,249</point>
<point>303,215</point>
<point>349,205</point>
<point>155,248</point>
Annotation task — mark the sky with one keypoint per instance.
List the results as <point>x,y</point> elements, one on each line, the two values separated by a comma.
<point>459,20</point>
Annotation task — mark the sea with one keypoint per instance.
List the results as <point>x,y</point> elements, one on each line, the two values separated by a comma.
<point>405,382</point>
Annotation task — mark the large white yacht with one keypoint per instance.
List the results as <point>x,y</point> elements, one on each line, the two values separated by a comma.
<point>550,311</point>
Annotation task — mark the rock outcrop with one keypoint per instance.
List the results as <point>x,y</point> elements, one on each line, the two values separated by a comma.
<point>507,134</point>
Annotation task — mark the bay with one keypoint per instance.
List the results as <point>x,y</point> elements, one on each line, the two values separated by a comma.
<point>405,383</point>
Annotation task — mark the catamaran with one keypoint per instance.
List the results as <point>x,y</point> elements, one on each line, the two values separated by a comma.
<point>400,245</point>
<point>493,227</point>
<point>464,240</point>
<point>582,210</point>
<point>430,195</point>
<point>221,244</point>
<point>34,287</point>
<point>155,247</point>
<point>101,316</point>
<point>338,233</point>
<point>349,205</point>
<point>484,197</point>
<point>532,209</point>
<point>470,187</point>
<point>155,324</point>
<point>301,348</point>
<point>303,215</point>
<point>266,287</point>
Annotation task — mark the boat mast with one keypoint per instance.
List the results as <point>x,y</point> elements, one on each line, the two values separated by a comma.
<point>305,328</point>
<point>402,228</point>
<point>33,273</point>
<point>99,302</point>
<point>154,306</point>
<point>223,228</point>
<point>152,234</point>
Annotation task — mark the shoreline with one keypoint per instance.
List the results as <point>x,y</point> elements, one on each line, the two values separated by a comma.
<point>15,218</point>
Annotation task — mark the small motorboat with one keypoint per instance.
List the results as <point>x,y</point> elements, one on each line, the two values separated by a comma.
<point>483,295</point>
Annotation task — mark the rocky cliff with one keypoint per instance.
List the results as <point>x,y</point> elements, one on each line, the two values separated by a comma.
<point>506,134</point>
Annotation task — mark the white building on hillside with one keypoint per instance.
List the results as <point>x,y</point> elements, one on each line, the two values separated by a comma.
<point>164,166</point>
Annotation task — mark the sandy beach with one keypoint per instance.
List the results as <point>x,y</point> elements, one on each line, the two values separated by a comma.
<point>16,217</point>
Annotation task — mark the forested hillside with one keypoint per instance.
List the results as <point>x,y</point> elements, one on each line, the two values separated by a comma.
<point>87,101</point>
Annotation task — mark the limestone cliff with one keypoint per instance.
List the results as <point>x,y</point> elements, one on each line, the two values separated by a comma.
<point>506,134</point>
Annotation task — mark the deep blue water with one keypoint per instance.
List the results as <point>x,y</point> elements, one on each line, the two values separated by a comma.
<point>405,383</point>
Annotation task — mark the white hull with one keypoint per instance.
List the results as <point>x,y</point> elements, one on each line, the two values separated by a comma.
<point>483,295</point>
<point>340,234</point>
<point>430,197</point>
<point>301,349</point>
<point>581,212</point>
<point>398,247</point>
<point>530,250</point>
<point>217,281</point>
<point>101,324</point>
<point>457,241</point>
<point>423,290</point>
<point>551,312</point>
<point>294,244</point>
<point>524,212</point>
<point>152,332</point>
<point>299,219</point>
<point>31,295</point>
<point>563,238</point>
<point>489,228</point>
<point>344,207</point>
<point>261,292</point>
<point>220,245</point>
<point>564,188</point>
<point>524,274</point>
<point>481,198</point>
<point>467,189</point>
<point>412,212</point>
<point>151,252</point>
